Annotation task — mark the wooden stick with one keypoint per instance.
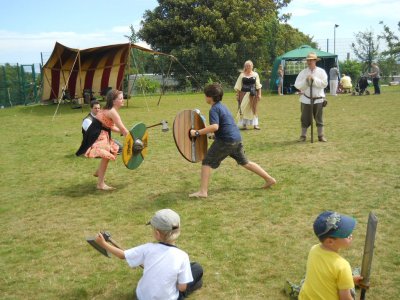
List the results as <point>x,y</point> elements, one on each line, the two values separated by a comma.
<point>312,112</point>
<point>368,254</point>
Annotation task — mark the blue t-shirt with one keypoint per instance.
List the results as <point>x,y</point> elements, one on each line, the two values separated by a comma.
<point>227,131</point>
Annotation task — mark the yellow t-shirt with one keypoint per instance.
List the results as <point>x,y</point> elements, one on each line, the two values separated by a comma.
<point>346,82</point>
<point>327,273</point>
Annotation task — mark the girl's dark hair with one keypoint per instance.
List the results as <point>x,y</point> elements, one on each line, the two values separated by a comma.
<point>215,91</point>
<point>110,97</point>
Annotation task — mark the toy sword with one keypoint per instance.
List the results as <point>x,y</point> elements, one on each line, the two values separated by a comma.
<point>368,254</point>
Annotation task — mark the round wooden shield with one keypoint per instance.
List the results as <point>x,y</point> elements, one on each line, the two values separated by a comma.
<point>135,146</point>
<point>193,149</point>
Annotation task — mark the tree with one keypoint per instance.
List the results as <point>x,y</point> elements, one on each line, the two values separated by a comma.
<point>392,41</point>
<point>366,47</point>
<point>290,38</point>
<point>391,56</point>
<point>133,38</point>
<point>142,62</point>
<point>351,68</point>
<point>210,37</point>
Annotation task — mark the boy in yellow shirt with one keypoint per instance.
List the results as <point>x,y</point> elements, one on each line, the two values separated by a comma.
<point>328,275</point>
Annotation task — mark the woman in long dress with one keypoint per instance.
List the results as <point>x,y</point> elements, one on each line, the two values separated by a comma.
<point>97,142</point>
<point>248,94</point>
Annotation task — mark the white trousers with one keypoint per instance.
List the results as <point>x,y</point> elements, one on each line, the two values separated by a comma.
<point>333,85</point>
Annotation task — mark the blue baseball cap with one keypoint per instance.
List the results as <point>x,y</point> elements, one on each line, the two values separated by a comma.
<point>333,224</point>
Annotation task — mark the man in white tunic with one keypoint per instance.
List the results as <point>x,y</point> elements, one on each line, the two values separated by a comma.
<point>318,79</point>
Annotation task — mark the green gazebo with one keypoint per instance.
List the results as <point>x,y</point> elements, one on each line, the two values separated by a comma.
<point>294,61</point>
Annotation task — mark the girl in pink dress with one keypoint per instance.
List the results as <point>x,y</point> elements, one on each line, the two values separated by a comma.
<point>104,147</point>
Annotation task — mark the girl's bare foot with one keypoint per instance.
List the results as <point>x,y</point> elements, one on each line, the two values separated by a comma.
<point>269,183</point>
<point>105,188</point>
<point>198,195</point>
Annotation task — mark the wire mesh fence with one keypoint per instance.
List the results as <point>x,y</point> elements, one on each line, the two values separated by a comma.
<point>19,84</point>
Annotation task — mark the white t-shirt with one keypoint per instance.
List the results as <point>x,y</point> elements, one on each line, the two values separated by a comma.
<point>164,267</point>
<point>87,122</point>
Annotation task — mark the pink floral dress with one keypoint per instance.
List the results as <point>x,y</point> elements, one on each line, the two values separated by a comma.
<point>104,146</point>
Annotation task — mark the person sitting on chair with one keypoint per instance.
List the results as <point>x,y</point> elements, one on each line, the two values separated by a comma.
<point>87,121</point>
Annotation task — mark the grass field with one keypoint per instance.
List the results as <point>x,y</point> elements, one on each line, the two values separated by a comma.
<point>248,240</point>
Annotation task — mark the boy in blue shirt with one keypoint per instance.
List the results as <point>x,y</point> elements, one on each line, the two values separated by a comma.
<point>228,141</point>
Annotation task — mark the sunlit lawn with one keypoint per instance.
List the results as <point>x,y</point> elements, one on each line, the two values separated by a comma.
<point>248,240</point>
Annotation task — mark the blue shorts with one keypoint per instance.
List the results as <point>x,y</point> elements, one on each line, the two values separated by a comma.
<point>219,150</point>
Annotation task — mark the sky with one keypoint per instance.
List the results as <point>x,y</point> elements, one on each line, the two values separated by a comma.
<point>29,28</point>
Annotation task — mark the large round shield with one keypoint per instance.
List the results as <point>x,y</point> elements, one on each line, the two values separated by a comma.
<point>135,146</point>
<point>193,149</point>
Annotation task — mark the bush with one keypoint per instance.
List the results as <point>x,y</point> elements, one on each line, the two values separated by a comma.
<point>351,68</point>
<point>147,85</point>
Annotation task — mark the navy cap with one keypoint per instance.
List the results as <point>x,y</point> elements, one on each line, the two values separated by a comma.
<point>333,224</point>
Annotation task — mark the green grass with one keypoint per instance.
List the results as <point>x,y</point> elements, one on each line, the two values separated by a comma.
<point>247,239</point>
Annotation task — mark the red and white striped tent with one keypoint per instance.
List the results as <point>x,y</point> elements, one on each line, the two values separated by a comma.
<point>95,69</point>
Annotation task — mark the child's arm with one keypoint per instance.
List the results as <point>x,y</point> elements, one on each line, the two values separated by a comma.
<point>345,295</point>
<point>113,114</point>
<point>182,287</point>
<point>208,129</point>
<point>358,281</point>
<point>110,248</point>
<point>115,129</point>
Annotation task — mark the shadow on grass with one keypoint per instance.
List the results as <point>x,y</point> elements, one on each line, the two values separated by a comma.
<point>84,294</point>
<point>287,143</point>
<point>168,198</point>
<point>172,197</point>
<point>84,189</point>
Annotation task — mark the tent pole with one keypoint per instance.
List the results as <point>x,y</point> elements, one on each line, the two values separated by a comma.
<point>133,83</point>
<point>48,81</point>
<point>59,100</point>
<point>162,89</point>
<point>66,83</point>
<point>80,77</point>
<point>62,68</point>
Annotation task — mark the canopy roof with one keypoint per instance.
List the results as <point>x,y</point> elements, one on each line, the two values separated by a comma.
<point>327,61</point>
<point>302,52</point>
<point>95,68</point>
